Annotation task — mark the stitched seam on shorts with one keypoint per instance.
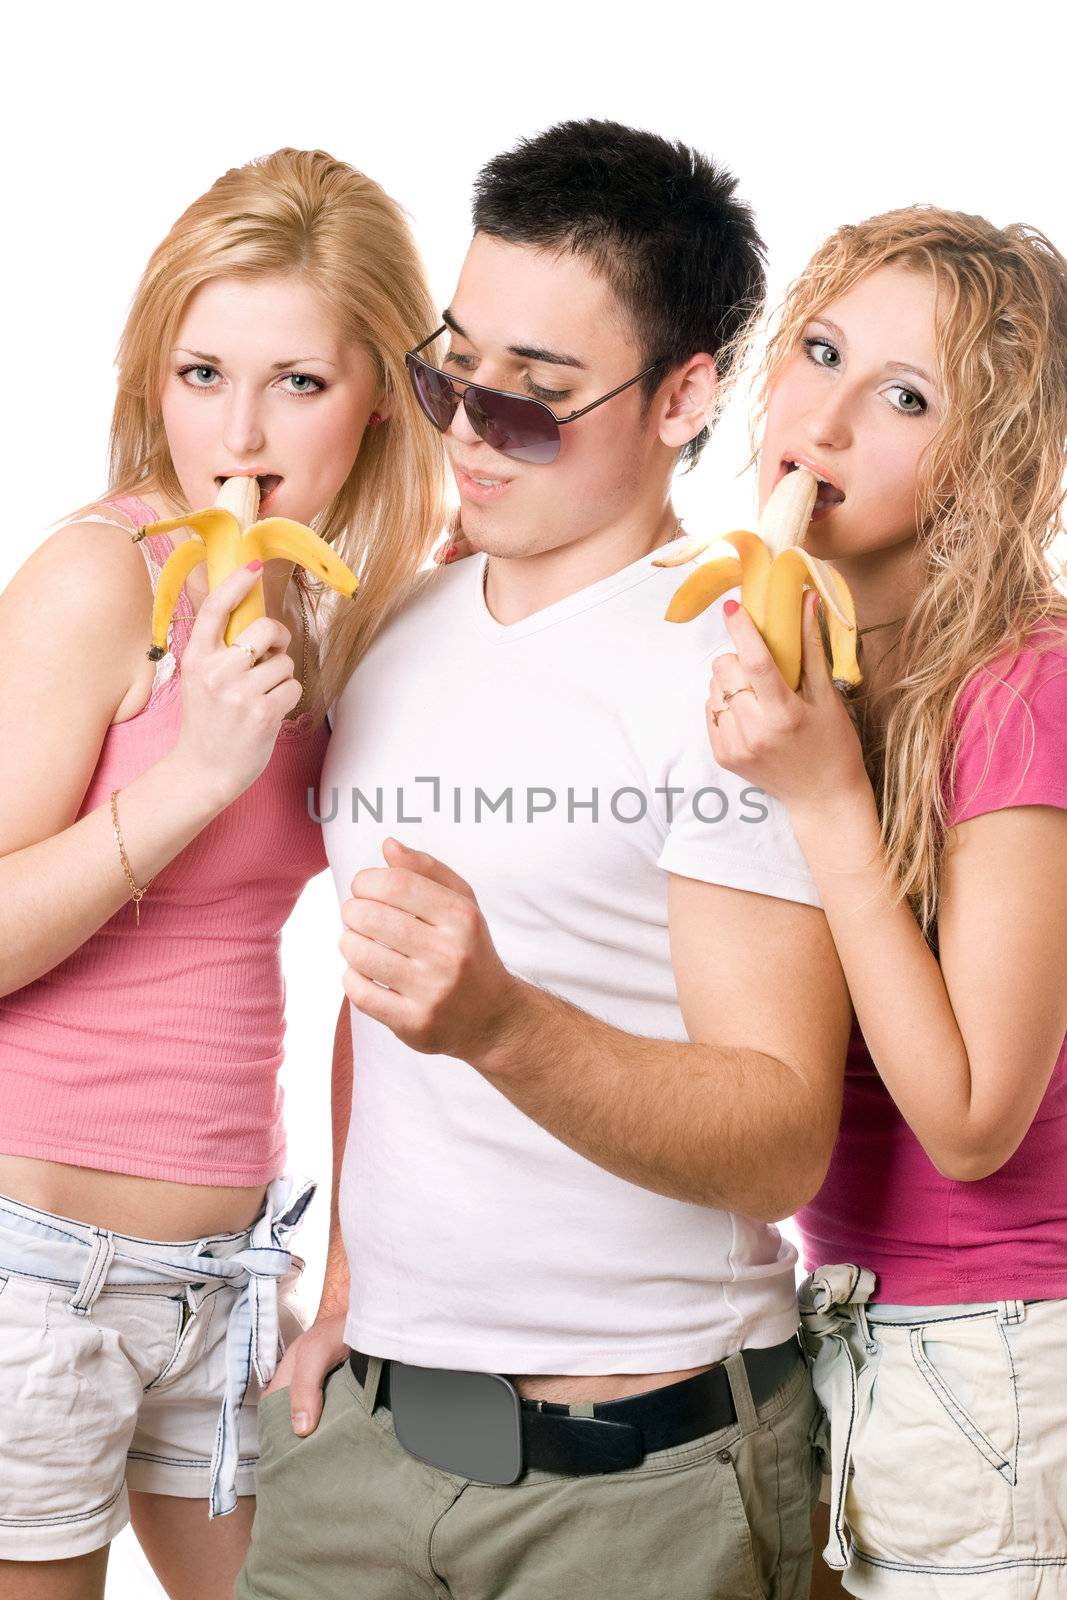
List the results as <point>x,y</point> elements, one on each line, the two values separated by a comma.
<point>1018,1418</point>
<point>181,1328</point>
<point>51,1522</point>
<point>964,1422</point>
<point>837,1509</point>
<point>64,1233</point>
<point>201,1463</point>
<point>44,1277</point>
<point>992,1566</point>
<point>240,1402</point>
<point>929,1322</point>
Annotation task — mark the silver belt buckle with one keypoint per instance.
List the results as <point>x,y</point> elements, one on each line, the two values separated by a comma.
<point>465,1423</point>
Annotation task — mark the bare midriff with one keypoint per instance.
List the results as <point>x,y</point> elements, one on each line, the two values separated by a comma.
<point>569,1390</point>
<point>146,1208</point>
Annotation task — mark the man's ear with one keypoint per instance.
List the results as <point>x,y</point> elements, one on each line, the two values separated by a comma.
<point>690,401</point>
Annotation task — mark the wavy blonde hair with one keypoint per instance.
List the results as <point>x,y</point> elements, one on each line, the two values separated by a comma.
<point>301,212</point>
<point>990,492</point>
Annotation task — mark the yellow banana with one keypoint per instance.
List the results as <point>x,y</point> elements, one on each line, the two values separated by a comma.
<point>783,522</point>
<point>773,573</point>
<point>227,536</point>
<point>278,537</point>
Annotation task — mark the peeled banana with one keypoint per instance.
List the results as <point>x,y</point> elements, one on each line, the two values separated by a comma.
<point>773,572</point>
<point>227,536</point>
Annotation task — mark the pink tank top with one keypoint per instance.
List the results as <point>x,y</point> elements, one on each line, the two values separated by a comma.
<point>154,1050</point>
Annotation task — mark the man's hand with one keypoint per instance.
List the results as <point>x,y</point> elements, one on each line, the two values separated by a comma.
<point>415,927</point>
<point>304,1366</point>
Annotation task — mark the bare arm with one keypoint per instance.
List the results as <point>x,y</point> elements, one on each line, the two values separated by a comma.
<point>321,1347</point>
<point>993,1014</point>
<point>72,622</point>
<point>745,1115</point>
<point>334,1297</point>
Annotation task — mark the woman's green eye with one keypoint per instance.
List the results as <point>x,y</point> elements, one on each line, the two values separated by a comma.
<point>814,346</point>
<point>911,404</point>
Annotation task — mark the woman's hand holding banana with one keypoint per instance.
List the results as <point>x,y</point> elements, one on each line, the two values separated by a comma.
<point>227,536</point>
<point>232,710</point>
<point>773,573</point>
<point>798,745</point>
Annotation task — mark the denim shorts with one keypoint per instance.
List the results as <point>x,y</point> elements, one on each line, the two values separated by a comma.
<point>133,1363</point>
<point>947,1441</point>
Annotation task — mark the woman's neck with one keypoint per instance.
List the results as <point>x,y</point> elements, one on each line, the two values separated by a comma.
<point>884,585</point>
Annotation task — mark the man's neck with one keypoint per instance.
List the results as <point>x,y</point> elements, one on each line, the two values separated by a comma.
<point>518,586</point>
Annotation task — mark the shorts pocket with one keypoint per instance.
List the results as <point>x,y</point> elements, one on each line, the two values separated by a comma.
<point>934,1458</point>
<point>265,1404</point>
<point>272,1417</point>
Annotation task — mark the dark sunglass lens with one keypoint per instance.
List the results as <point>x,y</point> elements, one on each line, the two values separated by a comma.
<point>523,429</point>
<point>434,393</point>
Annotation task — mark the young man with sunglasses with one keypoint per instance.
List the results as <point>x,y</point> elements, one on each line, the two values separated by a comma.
<point>598,1022</point>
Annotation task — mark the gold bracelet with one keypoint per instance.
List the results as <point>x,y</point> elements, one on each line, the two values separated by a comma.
<point>137,893</point>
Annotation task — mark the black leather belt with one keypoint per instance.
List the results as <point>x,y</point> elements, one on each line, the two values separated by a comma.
<point>620,1433</point>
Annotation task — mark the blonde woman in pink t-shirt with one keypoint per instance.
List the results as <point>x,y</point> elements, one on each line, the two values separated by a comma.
<point>153,840</point>
<point>920,368</point>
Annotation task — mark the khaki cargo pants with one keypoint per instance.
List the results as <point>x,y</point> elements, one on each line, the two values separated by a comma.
<point>347,1514</point>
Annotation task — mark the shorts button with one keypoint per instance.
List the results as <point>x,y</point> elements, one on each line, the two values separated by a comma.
<point>725,1456</point>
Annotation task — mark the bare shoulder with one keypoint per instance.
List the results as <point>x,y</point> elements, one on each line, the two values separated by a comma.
<point>87,569</point>
<point>82,598</point>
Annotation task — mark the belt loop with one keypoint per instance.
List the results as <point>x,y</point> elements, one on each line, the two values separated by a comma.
<point>741,1392</point>
<point>1010,1312</point>
<point>859,1310</point>
<point>101,1255</point>
<point>371,1381</point>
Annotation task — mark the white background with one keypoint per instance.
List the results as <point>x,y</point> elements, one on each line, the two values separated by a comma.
<point>116,116</point>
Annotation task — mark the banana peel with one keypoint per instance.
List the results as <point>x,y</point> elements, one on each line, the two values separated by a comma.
<point>227,536</point>
<point>773,573</point>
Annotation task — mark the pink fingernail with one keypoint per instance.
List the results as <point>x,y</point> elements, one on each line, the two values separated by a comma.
<point>254,566</point>
<point>729,607</point>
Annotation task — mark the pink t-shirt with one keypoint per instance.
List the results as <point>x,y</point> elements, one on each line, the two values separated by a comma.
<point>884,1205</point>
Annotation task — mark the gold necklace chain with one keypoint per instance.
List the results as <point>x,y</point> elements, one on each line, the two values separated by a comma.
<point>876,625</point>
<point>298,580</point>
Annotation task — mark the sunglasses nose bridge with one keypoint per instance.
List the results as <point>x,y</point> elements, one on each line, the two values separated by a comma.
<point>462,426</point>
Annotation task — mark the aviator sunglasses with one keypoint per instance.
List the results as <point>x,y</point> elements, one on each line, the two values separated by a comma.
<point>516,425</point>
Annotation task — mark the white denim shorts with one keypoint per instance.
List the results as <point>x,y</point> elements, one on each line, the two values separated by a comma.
<point>133,1363</point>
<point>947,1442</point>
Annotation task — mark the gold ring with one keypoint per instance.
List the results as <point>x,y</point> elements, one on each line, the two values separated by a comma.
<point>249,652</point>
<point>729,696</point>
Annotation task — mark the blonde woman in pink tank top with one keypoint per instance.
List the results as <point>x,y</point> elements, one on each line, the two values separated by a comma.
<point>153,843</point>
<point>920,369</point>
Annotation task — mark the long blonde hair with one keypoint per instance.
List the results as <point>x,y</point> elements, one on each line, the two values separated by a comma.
<point>990,492</point>
<point>302,212</point>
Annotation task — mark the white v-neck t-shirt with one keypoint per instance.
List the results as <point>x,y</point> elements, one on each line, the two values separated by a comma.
<point>476,1239</point>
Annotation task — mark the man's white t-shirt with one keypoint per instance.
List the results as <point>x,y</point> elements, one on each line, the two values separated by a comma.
<point>475,1238</point>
